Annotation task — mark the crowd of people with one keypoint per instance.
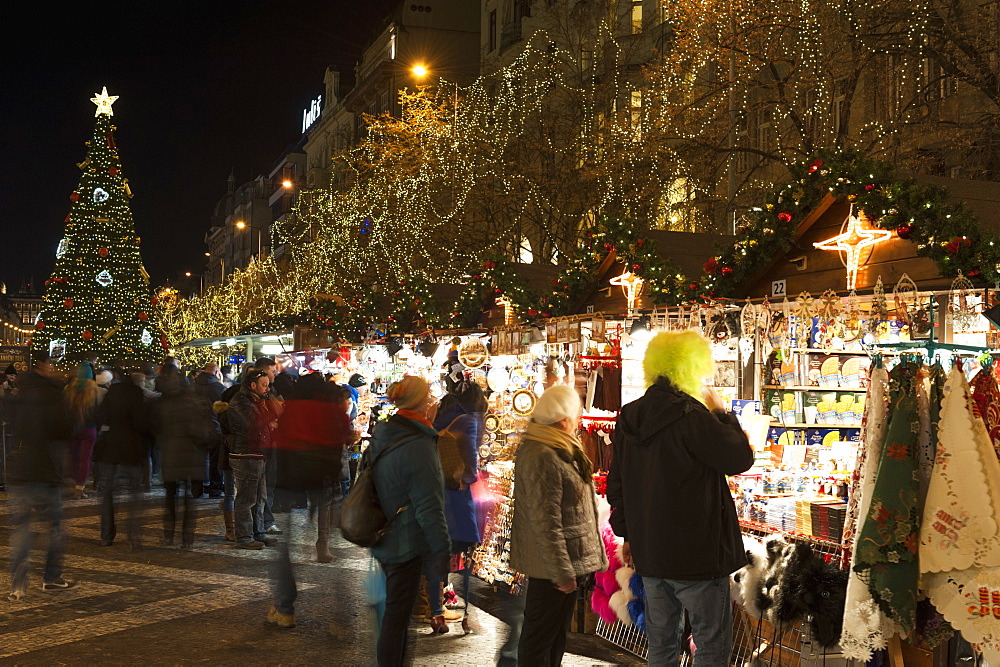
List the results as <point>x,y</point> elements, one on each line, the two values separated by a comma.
<point>269,432</point>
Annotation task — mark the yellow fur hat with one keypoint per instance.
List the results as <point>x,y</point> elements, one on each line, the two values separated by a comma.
<point>684,358</point>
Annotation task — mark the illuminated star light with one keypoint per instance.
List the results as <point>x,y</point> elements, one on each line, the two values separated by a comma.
<point>631,284</point>
<point>104,102</point>
<point>851,241</point>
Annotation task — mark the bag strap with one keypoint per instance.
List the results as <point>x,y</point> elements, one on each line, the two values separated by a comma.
<point>448,427</point>
<point>392,445</point>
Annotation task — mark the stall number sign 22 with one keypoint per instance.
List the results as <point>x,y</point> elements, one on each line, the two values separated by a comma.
<point>778,288</point>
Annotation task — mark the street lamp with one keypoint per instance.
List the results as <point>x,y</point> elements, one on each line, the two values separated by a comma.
<point>240,224</point>
<point>287,184</point>
<point>419,71</point>
<point>201,281</point>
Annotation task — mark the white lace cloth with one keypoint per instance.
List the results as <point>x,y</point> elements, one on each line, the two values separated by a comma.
<point>866,628</point>
<point>959,540</point>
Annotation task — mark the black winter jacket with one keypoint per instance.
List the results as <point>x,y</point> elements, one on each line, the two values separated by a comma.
<point>127,415</point>
<point>667,486</point>
<point>42,425</point>
<point>248,419</point>
<point>208,388</point>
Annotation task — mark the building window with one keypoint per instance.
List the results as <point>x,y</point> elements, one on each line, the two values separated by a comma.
<point>384,103</point>
<point>586,60</point>
<point>636,17</point>
<point>635,111</point>
<point>493,31</point>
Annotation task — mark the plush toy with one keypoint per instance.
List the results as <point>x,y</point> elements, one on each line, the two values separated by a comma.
<point>819,590</point>
<point>623,576</point>
<point>748,577</point>
<point>775,549</point>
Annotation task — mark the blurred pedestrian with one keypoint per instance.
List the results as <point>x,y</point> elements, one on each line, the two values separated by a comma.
<point>250,425</point>
<point>674,447</point>
<point>461,413</point>
<point>185,429</point>
<point>43,427</point>
<point>83,396</point>
<point>312,434</point>
<point>209,388</point>
<point>555,540</point>
<point>123,451</point>
<point>410,488</point>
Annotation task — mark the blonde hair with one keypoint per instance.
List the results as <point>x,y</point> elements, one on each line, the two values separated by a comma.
<point>82,397</point>
<point>557,403</point>
<point>409,392</point>
<point>684,358</point>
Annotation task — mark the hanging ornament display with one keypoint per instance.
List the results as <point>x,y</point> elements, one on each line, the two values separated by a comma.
<point>880,307</point>
<point>75,196</point>
<point>146,338</point>
<point>103,252</point>
<point>963,304</point>
<point>143,317</point>
<point>57,350</point>
<point>68,303</point>
<point>104,278</point>
<point>904,296</point>
<point>100,195</point>
<point>830,326</point>
<point>801,334</point>
<point>904,232</point>
<point>62,247</point>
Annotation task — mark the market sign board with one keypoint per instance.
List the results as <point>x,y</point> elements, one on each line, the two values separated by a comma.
<point>18,355</point>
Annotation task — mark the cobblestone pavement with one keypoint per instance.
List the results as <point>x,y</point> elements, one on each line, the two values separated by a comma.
<point>209,603</point>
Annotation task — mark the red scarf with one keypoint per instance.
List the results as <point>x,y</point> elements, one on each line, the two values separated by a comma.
<point>415,416</point>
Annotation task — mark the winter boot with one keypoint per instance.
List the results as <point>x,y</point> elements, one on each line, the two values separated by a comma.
<point>230,518</point>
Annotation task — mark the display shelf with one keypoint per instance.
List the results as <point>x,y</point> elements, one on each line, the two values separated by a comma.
<point>813,350</point>
<point>801,425</point>
<point>857,390</point>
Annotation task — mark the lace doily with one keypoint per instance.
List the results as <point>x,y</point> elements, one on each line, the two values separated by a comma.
<point>959,528</point>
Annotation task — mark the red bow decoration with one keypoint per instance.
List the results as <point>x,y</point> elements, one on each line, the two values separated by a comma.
<point>711,265</point>
<point>815,166</point>
<point>954,245</point>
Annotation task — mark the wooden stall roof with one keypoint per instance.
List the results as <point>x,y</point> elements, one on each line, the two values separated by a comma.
<point>808,269</point>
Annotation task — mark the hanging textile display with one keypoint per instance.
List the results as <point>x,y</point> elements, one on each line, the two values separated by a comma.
<point>865,629</point>
<point>986,395</point>
<point>886,553</point>
<point>960,539</point>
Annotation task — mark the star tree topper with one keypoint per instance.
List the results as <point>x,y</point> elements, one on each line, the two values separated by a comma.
<point>104,102</point>
<point>850,241</point>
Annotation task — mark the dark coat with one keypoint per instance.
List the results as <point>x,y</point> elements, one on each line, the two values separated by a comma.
<point>248,419</point>
<point>208,387</point>
<point>409,475</point>
<point>667,486</point>
<point>459,505</point>
<point>311,437</point>
<point>42,424</point>
<point>127,415</point>
<point>185,429</point>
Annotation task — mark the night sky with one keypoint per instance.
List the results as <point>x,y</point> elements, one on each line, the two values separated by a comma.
<point>205,88</point>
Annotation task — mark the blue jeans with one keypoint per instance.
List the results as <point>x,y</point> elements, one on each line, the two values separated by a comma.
<point>47,500</point>
<point>229,491</point>
<point>250,494</point>
<point>709,610</point>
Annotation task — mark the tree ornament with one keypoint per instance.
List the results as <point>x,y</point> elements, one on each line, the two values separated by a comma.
<point>143,317</point>
<point>904,231</point>
<point>75,196</point>
<point>104,278</point>
<point>815,166</point>
<point>727,271</point>
<point>67,303</point>
<point>40,324</point>
<point>113,171</point>
<point>956,244</point>
<point>103,252</point>
<point>962,308</point>
<point>893,211</point>
<point>100,195</point>
<point>87,335</point>
<point>870,187</point>
<point>785,216</point>
<point>711,265</point>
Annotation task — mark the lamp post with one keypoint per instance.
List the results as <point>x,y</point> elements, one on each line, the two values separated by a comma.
<point>240,224</point>
<point>419,71</point>
<point>201,281</point>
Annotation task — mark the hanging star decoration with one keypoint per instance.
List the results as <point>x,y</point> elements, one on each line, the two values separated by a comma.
<point>631,284</point>
<point>856,236</point>
<point>104,102</point>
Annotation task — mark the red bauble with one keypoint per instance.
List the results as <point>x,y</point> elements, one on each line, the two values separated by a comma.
<point>75,196</point>
<point>904,231</point>
<point>727,270</point>
<point>815,166</point>
<point>693,287</point>
<point>143,317</point>
<point>39,325</point>
<point>870,187</point>
<point>87,335</point>
<point>532,312</point>
<point>785,216</point>
<point>113,171</point>
<point>68,303</point>
<point>489,265</point>
<point>153,301</point>
<point>103,252</point>
<point>47,282</point>
<point>710,266</point>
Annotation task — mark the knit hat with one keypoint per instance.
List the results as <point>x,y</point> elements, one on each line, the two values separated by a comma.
<point>84,371</point>
<point>409,392</point>
<point>104,377</point>
<point>557,403</point>
<point>357,380</point>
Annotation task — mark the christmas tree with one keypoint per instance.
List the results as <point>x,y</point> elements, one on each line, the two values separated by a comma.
<point>97,301</point>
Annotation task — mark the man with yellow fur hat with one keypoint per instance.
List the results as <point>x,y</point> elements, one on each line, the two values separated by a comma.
<point>670,500</point>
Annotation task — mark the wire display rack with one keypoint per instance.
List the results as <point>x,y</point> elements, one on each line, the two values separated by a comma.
<point>755,642</point>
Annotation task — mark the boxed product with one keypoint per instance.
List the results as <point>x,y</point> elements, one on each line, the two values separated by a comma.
<point>850,371</point>
<point>784,406</point>
<point>824,437</point>
<point>829,370</point>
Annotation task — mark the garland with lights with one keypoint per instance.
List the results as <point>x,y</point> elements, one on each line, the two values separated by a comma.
<point>943,230</point>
